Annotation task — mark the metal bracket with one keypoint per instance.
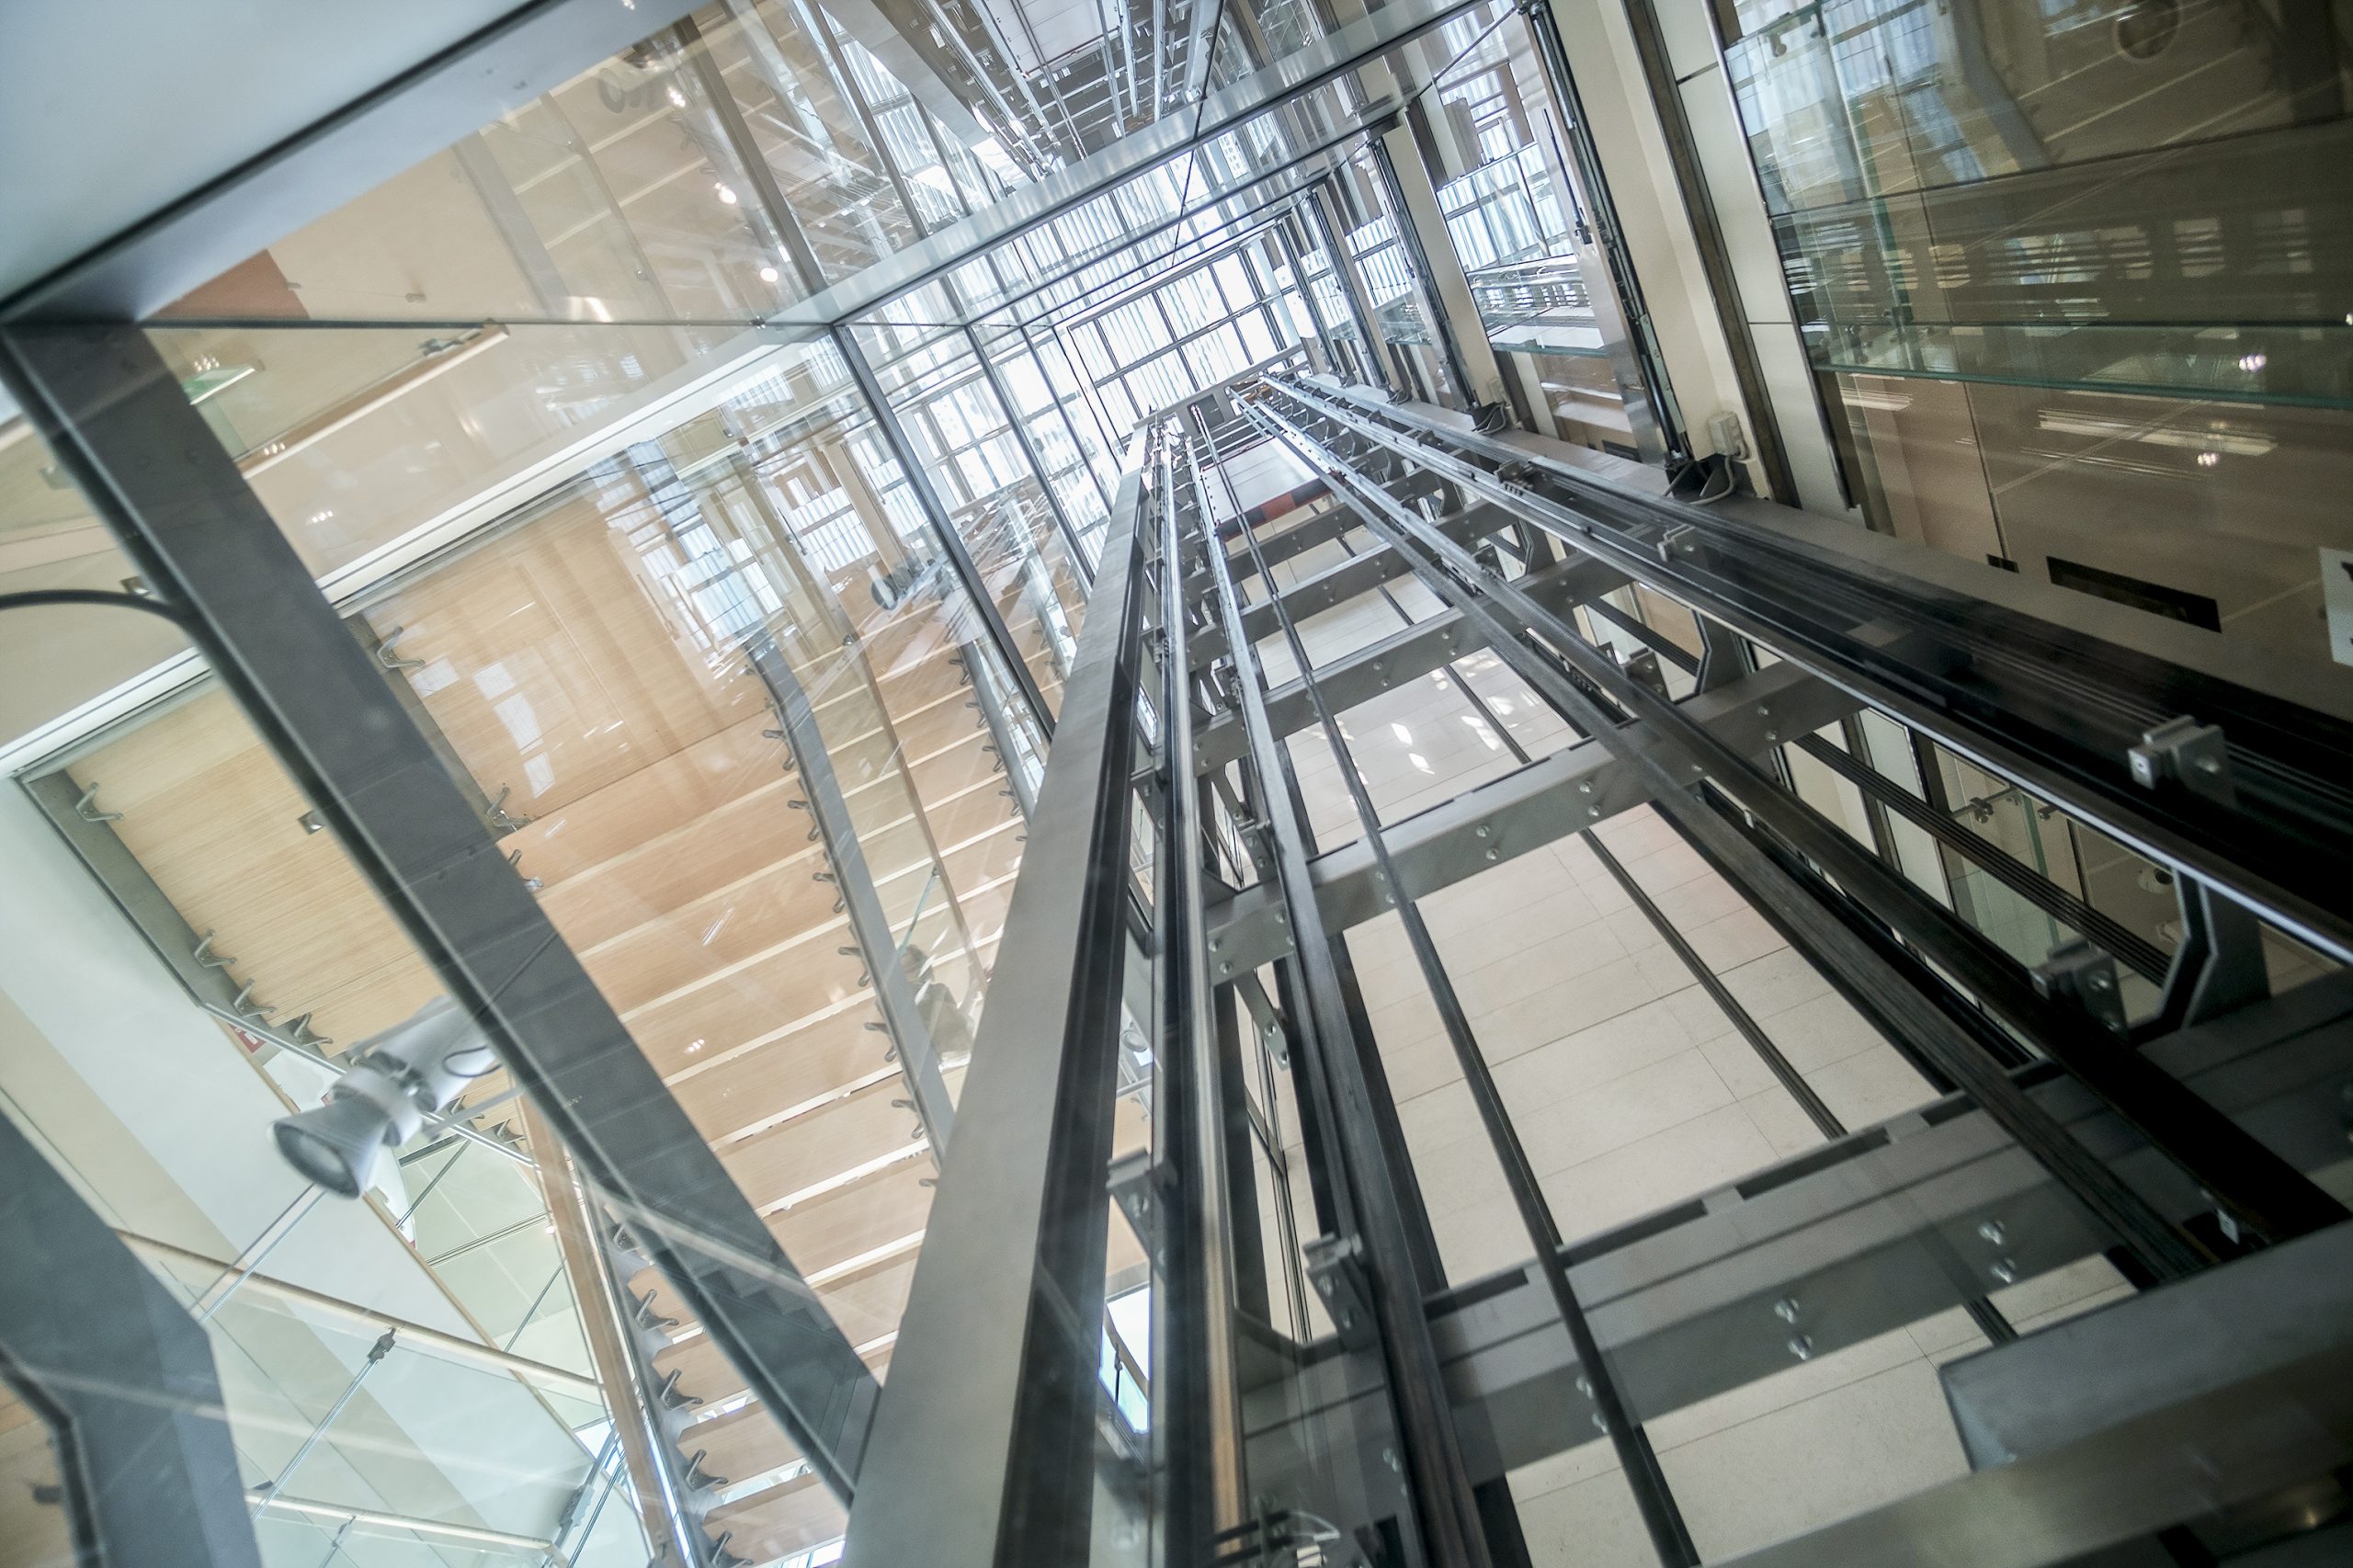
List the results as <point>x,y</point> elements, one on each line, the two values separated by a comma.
<point>2188,753</point>
<point>86,808</point>
<point>2078,973</point>
<point>1131,1183</point>
<point>1642,664</point>
<point>390,660</point>
<point>501,820</point>
<point>1336,1267</point>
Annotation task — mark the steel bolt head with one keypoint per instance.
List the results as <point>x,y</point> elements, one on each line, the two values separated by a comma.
<point>1801,1347</point>
<point>2005,1270</point>
<point>1991,1231</point>
<point>1786,1309</point>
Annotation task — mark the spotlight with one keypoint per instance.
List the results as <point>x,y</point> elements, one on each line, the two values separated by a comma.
<point>395,1080</point>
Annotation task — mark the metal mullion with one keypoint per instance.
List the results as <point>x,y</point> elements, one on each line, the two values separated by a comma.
<point>1437,1490</point>
<point>1017,423</point>
<point>1670,1538</point>
<point>869,926</point>
<point>1352,291</point>
<point>114,414</point>
<point>943,527</point>
<point>1062,413</point>
<point>1957,1052</point>
<point>1412,249</point>
<point>1209,1482</point>
<point>982,1452</point>
<point>1102,413</point>
<point>2262,1190</point>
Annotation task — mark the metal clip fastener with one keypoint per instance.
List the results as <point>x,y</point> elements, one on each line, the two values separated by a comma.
<point>2081,975</point>
<point>2187,752</point>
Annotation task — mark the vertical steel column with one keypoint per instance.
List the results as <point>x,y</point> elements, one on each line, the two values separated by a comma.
<point>112,1363</point>
<point>1036,461</point>
<point>943,527</point>
<point>982,1451</point>
<point>1320,203</point>
<point>1209,1441</point>
<point>114,414</point>
<point>1435,1481</point>
<point>1454,314</point>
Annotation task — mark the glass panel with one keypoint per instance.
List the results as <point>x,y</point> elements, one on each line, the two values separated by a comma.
<point>215,986</point>
<point>57,656</point>
<point>2072,291</point>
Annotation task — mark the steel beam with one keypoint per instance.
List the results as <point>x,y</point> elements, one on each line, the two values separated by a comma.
<point>983,1446</point>
<point>2041,685</point>
<point>1522,812</point>
<point>115,415</point>
<point>1406,654</point>
<point>112,1362</point>
<point>1886,1226</point>
<point>1341,582</point>
<point>943,527</point>
<point>1844,905</point>
<point>1805,870</point>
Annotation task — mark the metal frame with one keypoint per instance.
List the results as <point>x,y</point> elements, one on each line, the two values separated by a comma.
<point>1670,1538</point>
<point>985,1444</point>
<point>870,926</point>
<point>114,415</point>
<point>943,527</point>
<point>119,1372</point>
<point>2248,1180</point>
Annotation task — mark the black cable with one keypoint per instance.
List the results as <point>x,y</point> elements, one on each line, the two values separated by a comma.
<point>33,598</point>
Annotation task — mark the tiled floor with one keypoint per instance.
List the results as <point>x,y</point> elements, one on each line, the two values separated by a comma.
<point>1630,1090</point>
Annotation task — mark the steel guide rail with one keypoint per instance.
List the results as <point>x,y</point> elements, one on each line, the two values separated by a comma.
<point>2257,1188</point>
<point>1206,1489</point>
<point>1670,1538</point>
<point>2053,706</point>
<point>1688,754</point>
<point>2137,952</point>
<point>1444,1518</point>
<point>985,1449</point>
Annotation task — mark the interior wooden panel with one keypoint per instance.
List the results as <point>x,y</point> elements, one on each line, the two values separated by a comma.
<point>781,1520</point>
<point>697,946</point>
<point>729,1095</point>
<point>822,1144</point>
<point>757,1002</point>
<point>671,870</point>
<point>557,664</point>
<point>625,815</point>
<point>824,1231</point>
<point>866,1308</point>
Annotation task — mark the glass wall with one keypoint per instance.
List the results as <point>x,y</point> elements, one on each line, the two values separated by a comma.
<point>2073,278</point>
